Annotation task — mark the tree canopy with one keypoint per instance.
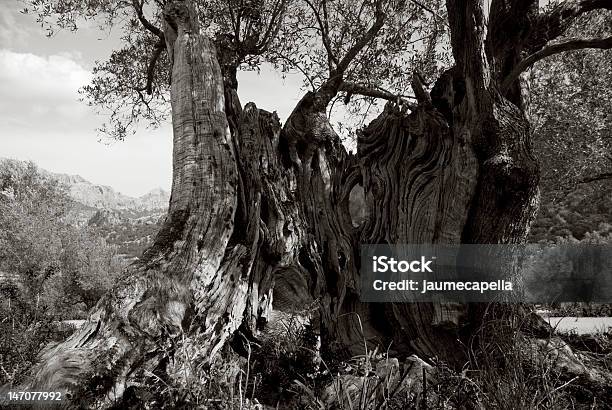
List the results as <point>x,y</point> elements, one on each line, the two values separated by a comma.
<point>571,100</point>
<point>376,46</point>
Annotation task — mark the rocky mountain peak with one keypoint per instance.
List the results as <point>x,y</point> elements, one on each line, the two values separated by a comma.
<point>102,196</point>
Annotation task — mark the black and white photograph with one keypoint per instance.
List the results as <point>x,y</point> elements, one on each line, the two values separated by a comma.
<point>306,204</point>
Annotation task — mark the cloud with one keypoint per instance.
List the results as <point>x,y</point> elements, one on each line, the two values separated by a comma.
<point>41,88</point>
<point>13,33</point>
<point>41,119</point>
<point>53,78</point>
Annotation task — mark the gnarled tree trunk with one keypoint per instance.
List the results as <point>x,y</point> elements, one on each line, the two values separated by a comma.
<point>259,214</point>
<point>191,269</point>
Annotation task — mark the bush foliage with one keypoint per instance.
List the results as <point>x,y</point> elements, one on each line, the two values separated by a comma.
<point>52,271</point>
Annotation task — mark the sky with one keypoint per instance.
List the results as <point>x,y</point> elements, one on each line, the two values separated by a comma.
<point>42,119</point>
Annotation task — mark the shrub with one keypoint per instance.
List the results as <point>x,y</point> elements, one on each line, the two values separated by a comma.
<point>24,332</point>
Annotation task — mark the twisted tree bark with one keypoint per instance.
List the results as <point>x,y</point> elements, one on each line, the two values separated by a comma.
<point>190,269</point>
<point>259,214</point>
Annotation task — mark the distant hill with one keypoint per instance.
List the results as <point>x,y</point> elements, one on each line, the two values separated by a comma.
<point>128,222</point>
<point>102,196</point>
<point>105,197</point>
<point>575,214</point>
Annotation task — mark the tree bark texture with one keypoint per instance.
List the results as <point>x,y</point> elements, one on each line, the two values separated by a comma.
<point>190,270</point>
<point>259,215</point>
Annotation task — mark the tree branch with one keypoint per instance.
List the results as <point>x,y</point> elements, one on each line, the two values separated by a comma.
<point>143,20</point>
<point>573,44</point>
<point>296,66</point>
<point>364,40</point>
<point>160,46</point>
<point>330,87</point>
<point>367,91</point>
<point>599,177</point>
<point>324,34</point>
<point>273,26</point>
<point>548,26</point>
<point>157,50</point>
<point>234,21</point>
<point>430,10</point>
<point>421,94</point>
<point>467,24</point>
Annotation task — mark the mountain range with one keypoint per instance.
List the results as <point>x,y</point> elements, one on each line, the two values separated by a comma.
<point>101,196</point>
<point>128,222</point>
<point>105,197</point>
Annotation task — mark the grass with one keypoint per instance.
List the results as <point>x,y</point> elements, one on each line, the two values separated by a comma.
<point>284,370</point>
